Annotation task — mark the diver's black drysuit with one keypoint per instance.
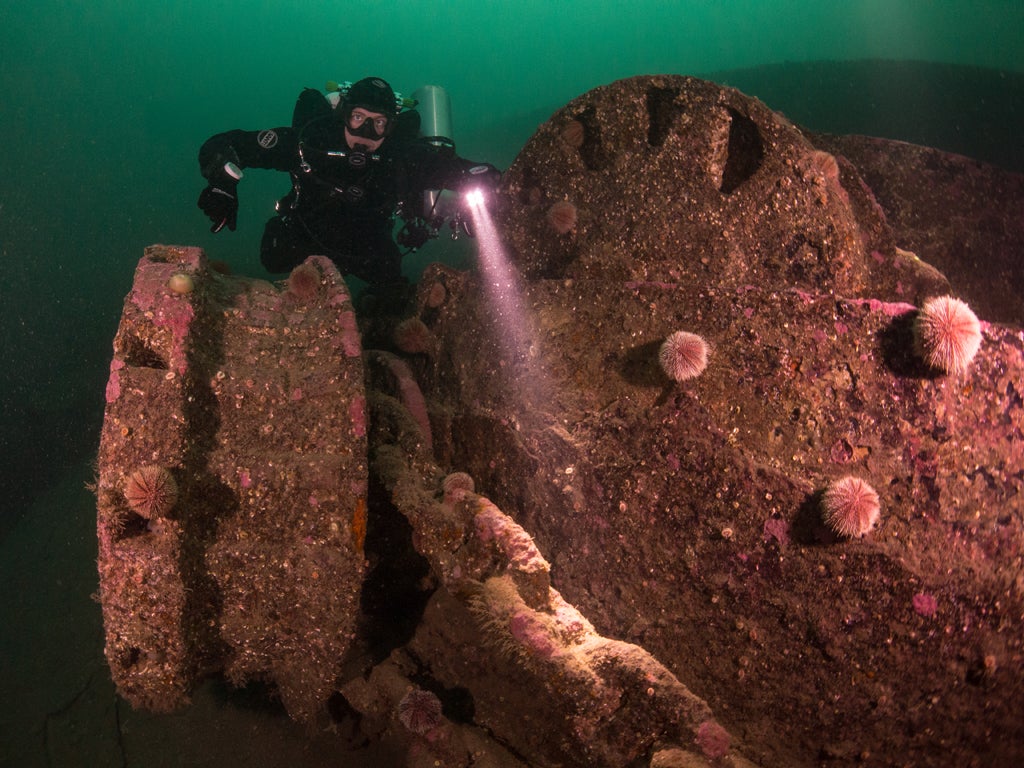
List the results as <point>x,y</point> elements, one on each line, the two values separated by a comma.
<point>343,202</point>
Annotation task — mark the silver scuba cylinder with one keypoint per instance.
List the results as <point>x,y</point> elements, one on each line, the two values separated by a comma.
<point>435,108</point>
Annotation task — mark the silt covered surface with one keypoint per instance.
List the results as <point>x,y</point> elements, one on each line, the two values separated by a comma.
<point>962,216</point>
<point>641,575</point>
<point>675,179</point>
<point>251,398</point>
<point>685,517</point>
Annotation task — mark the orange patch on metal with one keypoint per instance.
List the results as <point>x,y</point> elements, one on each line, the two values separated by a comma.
<point>359,524</point>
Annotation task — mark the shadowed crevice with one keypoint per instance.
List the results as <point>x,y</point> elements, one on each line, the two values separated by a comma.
<point>746,151</point>
<point>662,112</point>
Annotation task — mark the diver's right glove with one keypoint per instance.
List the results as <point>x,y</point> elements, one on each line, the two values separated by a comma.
<point>220,203</point>
<point>219,200</point>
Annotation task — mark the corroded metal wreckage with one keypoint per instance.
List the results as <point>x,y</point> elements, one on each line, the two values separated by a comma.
<point>696,610</point>
<point>251,400</point>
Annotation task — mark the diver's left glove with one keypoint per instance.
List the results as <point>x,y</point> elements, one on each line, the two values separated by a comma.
<point>219,200</point>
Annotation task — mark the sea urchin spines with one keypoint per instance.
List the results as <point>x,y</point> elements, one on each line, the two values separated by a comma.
<point>573,134</point>
<point>850,506</point>
<point>413,337</point>
<point>420,711</point>
<point>304,282</point>
<point>457,486</point>
<point>436,295</point>
<point>151,492</point>
<point>947,334</point>
<point>683,355</point>
<point>561,216</point>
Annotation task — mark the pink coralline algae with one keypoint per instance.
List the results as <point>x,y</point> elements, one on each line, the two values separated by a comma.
<point>514,542</point>
<point>357,412</point>
<point>778,529</point>
<point>925,605</point>
<point>173,311</point>
<point>176,316</point>
<point>533,634</point>
<point>410,394</point>
<point>350,342</point>
<point>850,507</point>
<point>947,334</point>
<point>113,390</point>
<point>713,740</point>
<point>887,308</point>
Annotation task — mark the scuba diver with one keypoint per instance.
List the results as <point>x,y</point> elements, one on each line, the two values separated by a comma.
<point>354,162</point>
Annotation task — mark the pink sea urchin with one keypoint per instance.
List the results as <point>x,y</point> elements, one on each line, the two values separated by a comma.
<point>850,506</point>
<point>456,486</point>
<point>304,282</point>
<point>947,334</point>
<point>151,492</point>
<point>561,216</point>
<point>572,134</point>
<point>413,337</point>
<point>683,355</point>
<point>420,711</point>
<point>436,295</point>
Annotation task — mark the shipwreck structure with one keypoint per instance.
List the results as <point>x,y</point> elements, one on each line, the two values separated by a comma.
<point>595,564</point>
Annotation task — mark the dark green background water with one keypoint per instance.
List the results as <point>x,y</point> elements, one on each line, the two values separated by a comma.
<point>104,104</point>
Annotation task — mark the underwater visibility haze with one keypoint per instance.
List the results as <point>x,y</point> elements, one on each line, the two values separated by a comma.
<point>103,107</point>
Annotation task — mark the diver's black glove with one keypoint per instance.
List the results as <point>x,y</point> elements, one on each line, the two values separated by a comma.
<point>483,175</point>
<point>219,201</point>
<point>413,235</point>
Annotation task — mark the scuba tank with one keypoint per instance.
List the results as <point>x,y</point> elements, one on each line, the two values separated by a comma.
<point>435,108</point>
<point>425,217</point>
